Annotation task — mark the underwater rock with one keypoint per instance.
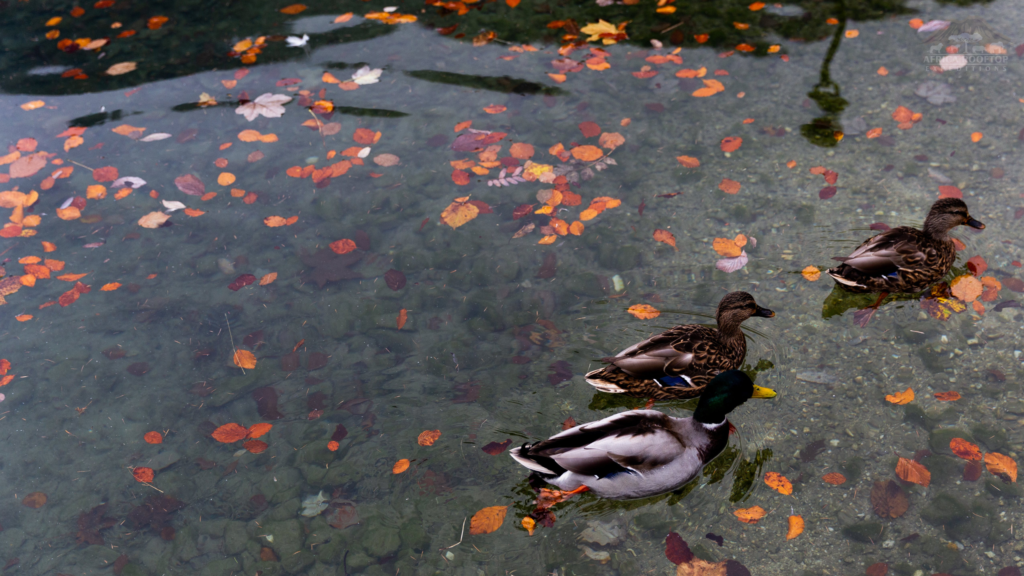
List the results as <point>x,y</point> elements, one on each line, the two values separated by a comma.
<point>937,93</point>
<point>945,510</point>
<point>867,532</point>
<point>602,533</point>
<point>939,439</point>
<point>326,266</point>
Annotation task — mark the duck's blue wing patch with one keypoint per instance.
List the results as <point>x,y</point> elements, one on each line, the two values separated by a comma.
<point>674,381</point>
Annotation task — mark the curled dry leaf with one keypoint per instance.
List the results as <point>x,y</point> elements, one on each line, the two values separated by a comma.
<point>644,311</point>
<point>900,398</point>
<point>779,483</point>
<point>750,515</point>
<point>666,237</point>
<point>487,520</point>
<point>911,471</point>
<point>428,437</point>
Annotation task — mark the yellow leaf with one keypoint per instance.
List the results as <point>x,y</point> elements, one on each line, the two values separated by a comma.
<point>487,520</point>
<point>153,219</point>
<point>244,359</point>
<point>750,515</point>
<point>459,212</point>
<point>811,273</point>
<point>644,311</point>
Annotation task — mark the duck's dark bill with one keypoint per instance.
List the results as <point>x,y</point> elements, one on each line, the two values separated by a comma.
<point>975,224</point>
<point>762,392</point>
<point>764,313</point>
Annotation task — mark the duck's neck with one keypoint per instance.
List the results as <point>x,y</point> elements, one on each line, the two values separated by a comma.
<point>938,226</point>
<point>729,332</point>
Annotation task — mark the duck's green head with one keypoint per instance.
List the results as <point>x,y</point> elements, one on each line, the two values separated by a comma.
<point>725,393</point>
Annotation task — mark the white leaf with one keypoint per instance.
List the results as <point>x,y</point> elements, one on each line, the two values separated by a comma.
<point>390,9</point>
<point>269,105</point>
<point>366,75</point>
<point>173,205</point>
<point>155,137</point>
<point>132,181</point>
<point>296,42</point>
<point>933,26</point>
<point>67,203</point>
<point>364,152</point>
<point>730,265</point>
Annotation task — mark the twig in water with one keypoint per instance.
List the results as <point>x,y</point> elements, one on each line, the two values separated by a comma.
<point>234,353</point>
<point>82,165</point>
<point>460,537</point>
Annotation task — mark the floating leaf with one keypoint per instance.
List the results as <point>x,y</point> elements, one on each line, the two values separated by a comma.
<point>255,446</point>
<point>143,474</point>
<point>911,471</point>
<point>731,143</point>
<point>121,68</point>
<point>947,396</point>
<point>644,311</point>
<point>688,161</point>
<point>900,398</point>
<point>343,246</point>
<point>495,448</point>
<point>1001,465</point>
<point>730,247</point>
<point>729,186</point>
<point>811,273</point>
<point>400,466</point>
<point>268,278</point>
<point>258,429</point>
<point>586,153</point>
<point>796,527</point>
<point>965,449</point>
<point>153,437</point>
<point>268,105</point>
<point>750,515</point>
<point>666,237</point>
<point>459,212</point>
<point>230,433</point>
<point>834,478</point>
<point>403,315</point>
<point>278,221</point>
<point>428,437</point>
<point>487,520</point>
<point>966,288</point>
<point>779,483</point>
<point>676,549</point>
<point>244,359</point>
<point>395,279</point>
<point>730,265</point>
<point>34,500</point>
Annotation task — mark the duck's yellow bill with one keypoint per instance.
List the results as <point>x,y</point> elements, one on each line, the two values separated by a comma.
<point>762,392</point>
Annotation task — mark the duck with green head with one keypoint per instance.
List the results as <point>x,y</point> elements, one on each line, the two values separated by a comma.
<point>641,453</point>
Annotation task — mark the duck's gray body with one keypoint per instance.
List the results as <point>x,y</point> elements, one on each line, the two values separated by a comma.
<point>634,454</point>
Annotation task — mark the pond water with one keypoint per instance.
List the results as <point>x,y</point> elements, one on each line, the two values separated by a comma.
<point>358,226</point>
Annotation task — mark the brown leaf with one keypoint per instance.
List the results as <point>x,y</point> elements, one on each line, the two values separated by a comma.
<point>395,279</point>
<point>889,500</point>
<point>676,549</point>
<point>190,184</point>
<point>495,448</point>
<point>487,520</point>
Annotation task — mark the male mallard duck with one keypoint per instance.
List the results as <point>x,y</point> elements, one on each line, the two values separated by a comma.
<point>906,259</point>
<point>680,362</point>
<point>641,453</point>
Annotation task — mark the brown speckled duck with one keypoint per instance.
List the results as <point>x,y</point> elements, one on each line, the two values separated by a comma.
<point>680,362</point>
<point>906,259</point>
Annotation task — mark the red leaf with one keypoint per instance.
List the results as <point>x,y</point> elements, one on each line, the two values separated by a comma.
<point>495,448</point>
<point>831,176</point>
<point>395,279</point>
<point>676,549</point>
<point>242,281</point>
<point>482,206</point>
<point>589,129</point>
<point>950,192</point>
<point>827,192</point>
<point>190,184</point>
<point>522,210</point>
<point>977,265</point>
<point>570,422</point>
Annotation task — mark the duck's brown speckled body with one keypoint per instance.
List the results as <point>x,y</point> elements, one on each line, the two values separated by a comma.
<point>684,358</point>
<point>906,259</point>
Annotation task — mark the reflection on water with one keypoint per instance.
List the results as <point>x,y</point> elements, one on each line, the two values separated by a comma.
<point>398,357</point>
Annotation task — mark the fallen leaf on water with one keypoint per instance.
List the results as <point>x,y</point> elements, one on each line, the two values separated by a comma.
<point>32,105</point>
<point>34,500</point>
<point>750,515</point>
<point>255,446</point>
<point>143,474</point>
<point>529,524</point>
<point>965,449</point>
<point>834,478</point>
<point>268,105</point>
<point>586,153</point>
<point>23,317</point>
<point>731,143</point>
<point>711,87</point>
<point>911,471</point>
<point>976,137</point>
<point>230,433</point>
<point>293,9</point>
<point>900,398</point>
<point>268,278</point>
<point>966,288</point>
<point>400,466</point>
<point>403,315</point>
<point>244,359</point>
<point>688,161</point>
<point>811,273</point>
<point>278,221</point>
<point>947,396</point>
<point>333,445</point>
<point>666,237</point>
<point>258,429</point>
<point>154,219</point>
<point>644,311</point>
<point>779,483</point>
<point>343,246</point>
<point>1001,465</point>
<point>888,500</point>
<point>729,247</point>
<point>676,549</point>
<point>495,109</point>
<point>796,527</point>
<point>428,437</point>
<point>729,186</point>
<point>730,265</point>
<point>459,212</point>
<point>487,520</point>
<point>495,448</point>
<point>153,438</point>
<point>121,68</point>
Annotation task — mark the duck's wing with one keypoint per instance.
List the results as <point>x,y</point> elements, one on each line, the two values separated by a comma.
<point>635,442</point>
<point>667,354</point>
<point>888,253</point>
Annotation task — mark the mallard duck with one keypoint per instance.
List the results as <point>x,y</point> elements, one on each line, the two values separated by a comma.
<point>906,259</point>
<point>641,453</point>
<point>678,363</point>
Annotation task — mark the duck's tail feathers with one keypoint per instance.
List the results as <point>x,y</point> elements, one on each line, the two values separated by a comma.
<point>603,379</point>
<point>838,277</point>
<point>522,455</point>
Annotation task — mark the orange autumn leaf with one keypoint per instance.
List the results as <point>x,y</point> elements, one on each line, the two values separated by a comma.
<point>779,483</point>
<point>400,466</point>
<point>911,471</point>
<point>277,221</point>
<point>23,317</point>
<point>1001,465</point>
<point>55,265</point>
<point>226,179</point>
<point>428,437</point>
<point>729,186</point>
<point>529,524</point>
<point>965,449</point>
<point>143,474</point>
<point>110,287</point>
<point>900,398</point>
<point>153,438</point>
<point>576,228</point>
<point>487,520</point>
<point>193,212</point>
<point>365,136</point>
<point>459,212</point>
<point>72,277</point>
<point>947,396</point>
<point>750,515</point>
<point>403,315</point>
<point>874,133</point>
<point>976,137</point>
<point>731,143</point>
<point>255,446</point>
<point>37,271</point>
<point>30,260</point>
<point>549,239</point>
<point>644,311</point>
<point>688,161</point>
<point>521,151</point>
<point>730,248</point>
<point>49,247</point>
<point>966,288</point>
<point>5,365</point>
<point>258,429</point>
<point>27,280</point>
<point>903,115</point>
<point>586,153</point>
<point>244,359</point>
<point>811,273</point>
<point>661,236</point>
<point>230,433</point>
<point>495,109</point>
<point>834,478</point>
<point>293,9</point>
<point>268,278</point>
<point>343,246</point>
<point>463,125</point>
<point>796,527</point>
<point>711,87</point>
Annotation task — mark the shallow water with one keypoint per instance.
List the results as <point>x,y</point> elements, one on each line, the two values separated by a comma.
<point>498,330</point>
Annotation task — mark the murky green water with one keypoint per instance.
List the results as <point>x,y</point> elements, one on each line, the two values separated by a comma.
<point>498,330</point>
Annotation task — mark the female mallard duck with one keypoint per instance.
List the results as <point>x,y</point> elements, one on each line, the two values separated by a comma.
<point>641,453</point>
<point>680,362</point>
<point>906,259</point>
